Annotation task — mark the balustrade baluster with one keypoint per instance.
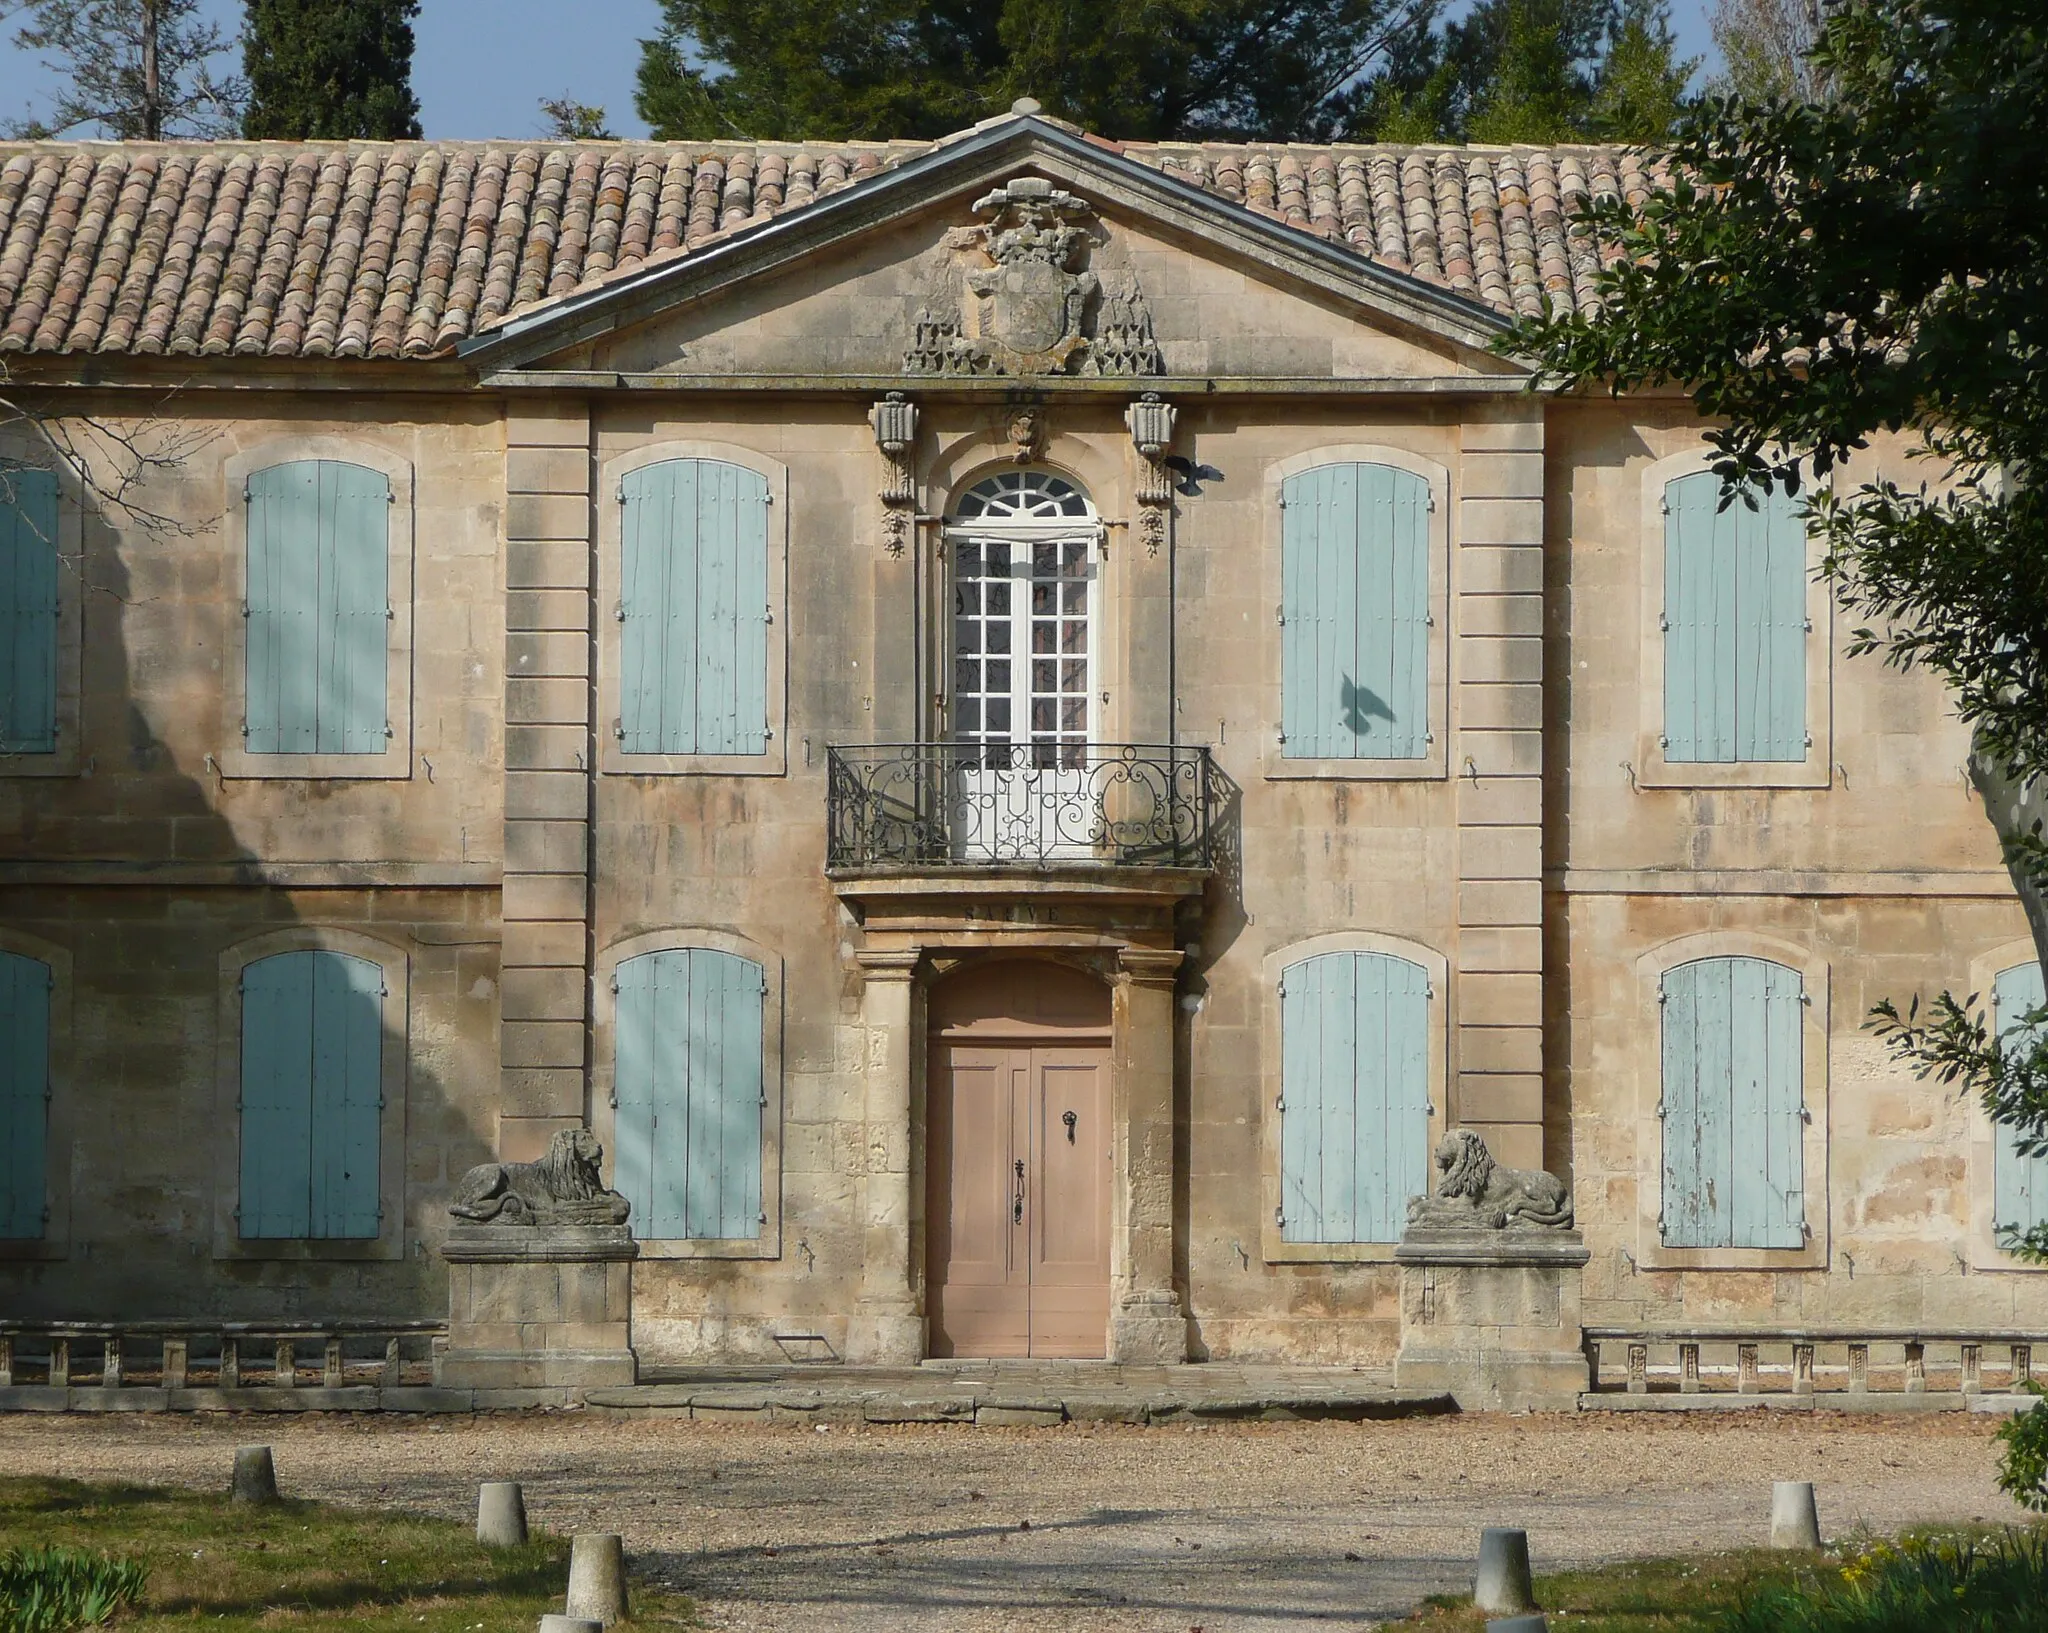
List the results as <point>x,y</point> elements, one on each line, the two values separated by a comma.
<point>285,1374</point>
<point>1688,1369</point>
<point>332,1376</point>
<point>1802,1369</point>
<point>1745,1369</point>
<point>391,1372</point>
<point>60,1363</point>
<point>1639,1369</point>
<point>177,1357</point>
<point>110,1368</point>
<point>1916,1369</point>
<point>6,1360</point>
<point>1859,1369</point>
<point>230,1362</point>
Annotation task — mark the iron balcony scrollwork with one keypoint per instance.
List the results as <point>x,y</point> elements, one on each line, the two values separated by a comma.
<point>974,805</point>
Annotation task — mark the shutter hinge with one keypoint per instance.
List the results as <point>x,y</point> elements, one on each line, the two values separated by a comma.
<point>245,609</point>
<point>619,611</point>
<point>1279,614</point>
<point>390,613</point>
<point>1428,990</point>
<point>1664,505</point>
<point>761,1218</point>
<point>1809,739</point>
<point>619,731</point>
<point>1664,743</point>
<point>390,498</point>
<point>767,732</point>
<point>1279,1102</point>
<point>1279,1217</point>
<point>1805,1113</point>
<point>246,494</point>
<point>1664,622</point>
<point>1807,625</point>
<point>1429,737</point>
<point>615,983</point>
<point>764,1102</point>
<point>1282,737</point>
<point>1806,997</point>
<point>236,1211</point>
<point>241,983</point>
<point>1429,620</point>
<point>1432,504</point>
<point>620,496</point>
<point>613,1100</point>
<point>388,732</point>
<point>1660,1109</point>
<point>767,498</point>
<point>767,615</point>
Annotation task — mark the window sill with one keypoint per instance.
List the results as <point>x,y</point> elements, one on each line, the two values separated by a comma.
<point>1275,1251</point>
<point>767,1245</point>
<point>302,1250</point>
<point>393,765</point>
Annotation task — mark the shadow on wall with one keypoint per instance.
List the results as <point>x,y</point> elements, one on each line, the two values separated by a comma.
<point>249,1111</point>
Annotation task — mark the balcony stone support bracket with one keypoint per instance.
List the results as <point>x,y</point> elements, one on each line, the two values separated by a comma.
<point>1151,427</point>
<point>895,421</point>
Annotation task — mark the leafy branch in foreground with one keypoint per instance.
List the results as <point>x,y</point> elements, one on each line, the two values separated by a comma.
<point>1954,1045</point>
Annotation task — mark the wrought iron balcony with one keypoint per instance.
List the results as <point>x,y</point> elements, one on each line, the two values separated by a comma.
<point>977,805</point>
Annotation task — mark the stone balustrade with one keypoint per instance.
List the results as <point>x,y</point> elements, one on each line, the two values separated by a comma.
<point>174,1357</point>
<point>1812,1362</point>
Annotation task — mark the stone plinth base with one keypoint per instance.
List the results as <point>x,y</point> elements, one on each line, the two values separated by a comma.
<point>885,1333</point>
<point>1493,1320</point>
<point>539,1306</point>
<point>1148,1329</point>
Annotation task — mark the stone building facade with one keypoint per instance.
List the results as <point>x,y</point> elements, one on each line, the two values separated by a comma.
<point>861,654</point>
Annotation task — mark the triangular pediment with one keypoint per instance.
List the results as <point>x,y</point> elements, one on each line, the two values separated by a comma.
<point>1020,252</point>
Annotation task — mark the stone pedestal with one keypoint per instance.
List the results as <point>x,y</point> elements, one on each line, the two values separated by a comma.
<point>1492,1318</point>
<point>539,1307</point>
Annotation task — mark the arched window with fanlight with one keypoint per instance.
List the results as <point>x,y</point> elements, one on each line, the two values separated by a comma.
<point>1024,551</point>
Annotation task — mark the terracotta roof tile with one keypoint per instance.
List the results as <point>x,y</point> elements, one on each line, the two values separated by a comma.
<point>401,250</point>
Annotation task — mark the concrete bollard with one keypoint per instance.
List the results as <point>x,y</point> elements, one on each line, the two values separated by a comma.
<point>1795,1520</point>
<point>1505,1587</point>
<point>255,1476</point>
<point>500,1514</point>
<point>597,1578</point>
<point>570,1624</point>
<point>1519,1624</point>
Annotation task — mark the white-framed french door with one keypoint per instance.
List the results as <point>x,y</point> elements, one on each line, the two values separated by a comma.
<point>1024,687</point>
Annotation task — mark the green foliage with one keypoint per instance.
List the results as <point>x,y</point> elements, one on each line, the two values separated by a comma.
<point>2023,1455</point>
<point>95,50</point>
<point>571,121</point>
<point>1137,69</point>
<point>1641,94</point>
<point>1821,273</point>
<point>50,1589</point>
<point>330,70</point>
<point>1764,46</point>
<point>1941,1584</point>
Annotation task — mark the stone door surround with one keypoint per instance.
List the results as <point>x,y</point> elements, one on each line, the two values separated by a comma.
<point>1115,924</point>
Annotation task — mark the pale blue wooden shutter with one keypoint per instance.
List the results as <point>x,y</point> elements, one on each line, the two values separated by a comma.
<point>1354,1117</point>
<point>28,611</point>
<point>2019,1185</point>
<point>1354,640</point>
<point>319,609</point>
<point>25,985</point>
<point>312,1091</point>
<point>1734,626</point>
<point>1733,1105</point>
<point>688,1093</point>
<point>693,609</point>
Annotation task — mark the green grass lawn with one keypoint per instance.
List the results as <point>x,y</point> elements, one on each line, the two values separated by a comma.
<point>1692,1595</point>
<point>301,1565</point>
<point>1644,1596</point>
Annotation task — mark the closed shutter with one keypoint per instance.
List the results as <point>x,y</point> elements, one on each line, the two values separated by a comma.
<point>693,607</point>
<point>1733,1105</point>
<point>688,1093</point>
<point>318,609</point>
<point>28,611</point>
<point>1735,626</point>
<point>24,1094</point>
<point>1354,1119</point>
<point>1354,612</point>
<point>2019,1185</point>
<point>312,1091</point>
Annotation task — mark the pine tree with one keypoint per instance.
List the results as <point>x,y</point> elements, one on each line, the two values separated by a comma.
<point>1141,69</point>
<point>568,120</point>
<point>330,70</point>
<point>134,69</point>
<point>1641,86</point>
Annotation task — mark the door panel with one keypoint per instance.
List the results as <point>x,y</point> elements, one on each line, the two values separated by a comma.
<point>1019,1260</point>
<point>978,1288</point>
<point>1070,1202</point>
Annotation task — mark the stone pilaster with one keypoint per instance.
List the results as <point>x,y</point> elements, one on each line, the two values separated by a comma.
<point>888,1322</point>
<point>548,755</point>
<point>1146,1323</point>
<point>1497,765</point>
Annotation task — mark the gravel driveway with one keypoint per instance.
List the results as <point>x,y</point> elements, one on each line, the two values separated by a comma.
<point>1224,1527</point>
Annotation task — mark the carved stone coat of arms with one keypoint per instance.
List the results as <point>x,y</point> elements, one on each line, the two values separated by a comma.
<point>1017,296</point>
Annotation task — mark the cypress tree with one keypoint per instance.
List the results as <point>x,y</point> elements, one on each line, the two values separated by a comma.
<point>330,70</point>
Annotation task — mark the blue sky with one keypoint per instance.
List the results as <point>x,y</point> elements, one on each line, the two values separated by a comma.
<point>482,66</point>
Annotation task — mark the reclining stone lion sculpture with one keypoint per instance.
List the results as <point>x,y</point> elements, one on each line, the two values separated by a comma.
<point>563,1188</point>
<point>1474,1192</point>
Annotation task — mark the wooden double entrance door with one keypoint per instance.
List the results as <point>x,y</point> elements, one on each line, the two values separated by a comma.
<point>1019,1159</point>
